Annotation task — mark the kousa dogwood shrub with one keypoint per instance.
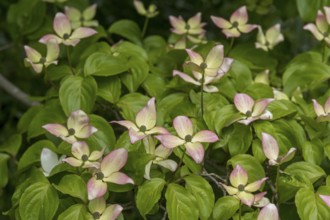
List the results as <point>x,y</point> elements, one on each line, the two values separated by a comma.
<point>197,124</point>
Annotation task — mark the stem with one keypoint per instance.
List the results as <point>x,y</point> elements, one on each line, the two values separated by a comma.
<point>230,45</point>
<point>69,60</point>
<point>145,25</point>
<point>277,186</point>
<point>240,211</point>
<point>16,92</point>
<point>323,52</point>
<point>202,94</point>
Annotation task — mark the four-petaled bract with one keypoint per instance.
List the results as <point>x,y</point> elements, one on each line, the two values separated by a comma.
<point>145,123</point>
<point>269,40</point>
<point>64,33</point>
<point>236,25</point>
<point>108,173</point>
<point>37,61</point>
<point>78,127</point>
<point>269,212</point>
<point>271,150</point>
<point>82,19</point>
<point>322,112</point>
<point>240,187</point>
<point>320,29</point>
<point>100,210</point>
<point>252,110</point>
<point>188,138</point>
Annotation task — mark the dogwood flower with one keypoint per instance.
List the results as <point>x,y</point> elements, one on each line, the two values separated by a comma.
<point>145,123</point>
<point>213,67</point>
<point>240,188</point>
<point>186,136</point>
<point>321,26</point>
<point>77,127</point>
<point>150,13</point>
<point>269,40</point>
<point>251,109</point>
<point>236,25</point>
<point>191,30</point>
<point>49,160</point>
<point>81,19</point>
<point>37,61</point>
<point>161,154</point>
<point>325,199</point>
<point>262,77</point>
<point>108,173</point>
<point>99,210</point>
<point>269,212</point>
<point>260,200</point>
<point>82,156</point>
<point>64,33</point>
<point>271,150</point>
<point>322,112</point>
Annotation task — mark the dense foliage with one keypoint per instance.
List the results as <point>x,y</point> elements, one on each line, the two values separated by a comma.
<point>165,109</point>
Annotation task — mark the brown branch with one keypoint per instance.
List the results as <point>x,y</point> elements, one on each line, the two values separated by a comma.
<point>16,92</point>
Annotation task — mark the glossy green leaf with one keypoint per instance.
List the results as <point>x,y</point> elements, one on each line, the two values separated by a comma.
<point>127,29</point>
<point>39,201</point>
<point>313,152</point>
<point>75,212</point>
<point>104,64</point>
<point>308,10</point>
<point>73,185</point>
<point>109,89</point>
<point>203,193</point>
<point>309,205</point>
<point>309,170</point>
<point>154,85</point>
<point>250,164</point>
<point>240,139</point>
<point>12,144</point>
<point>78,93</point>
<point>131,104</point>
<point>180,204</point>
<point>27,118</point>
<point>225,207</point>
<point>104,137</point>
<point>56,72</point>
<point>149,194</point>
<point>281,108</point>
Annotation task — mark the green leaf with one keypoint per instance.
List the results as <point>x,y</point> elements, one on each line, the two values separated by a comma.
<point>225,208</point>
<point>187,160</point>
<point>250,164</point>
<point>73,185</point>
<point>104,64</point>
<point>154,85</point>
<point>3,170</point>
<point>38,202</point>
<point>149,194</point>
<point>259,91</point>
<point>57,72</point>
<point>32,154</point>
<point>313,152</point>
<point>75,212</point>
<point>28,117</point>
<point>131,104</point>
<point>124,142</point>
<point>128,49</point>
<point>137,73</point>
<point>308,10</point>
<point>167,104</point>
<point>309,170</point>
<point>309,205</point>
<point>241,75</point>
<point>12,144</point>
<point>109,88</point>
<point>78,93</point>
<point>52,112</point>
<point>281,108</point>
<point>104,137</point>
<point>203,193</point>
<point>240,139</point>
<point>127,29</point>
<point>180,204</point>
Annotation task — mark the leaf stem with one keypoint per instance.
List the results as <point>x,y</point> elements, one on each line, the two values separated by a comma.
<point>324,52</point>
<point>145,25</point>
<point>202,94</point>
<point>231,44</point>
<point>277,186</point>
<point>69,60</point>
<point>240,211</point>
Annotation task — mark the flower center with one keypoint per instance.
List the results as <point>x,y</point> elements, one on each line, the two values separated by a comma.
<point>241,188</point>
<point>248,113</point>
<point>187,27</point>
<point>235,24</point>
<point>188,138</point>
<point>203,66</point>
<point>42,60</point>
<point>99,175</point>
<point>143,128</point>
<point>66,36</point>
<point>71,131</point>
<point>96,215</point>
<point>84,157</point>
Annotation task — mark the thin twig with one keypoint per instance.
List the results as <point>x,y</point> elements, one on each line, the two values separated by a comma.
<point>16,92</point>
